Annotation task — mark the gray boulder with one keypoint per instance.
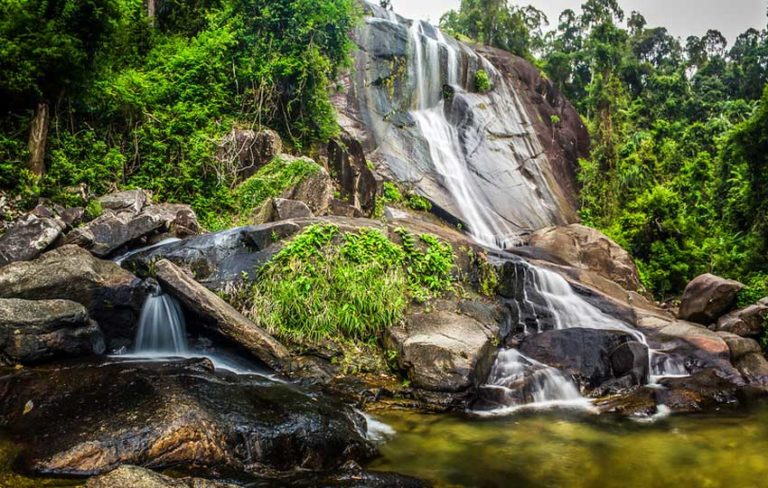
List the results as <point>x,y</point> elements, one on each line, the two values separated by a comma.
<point>707,297</point>
<point>32,331</point>
<point>132,201</point>
<point>444,351</point>
<point>27,239</point>
<point>277,209</point>
<point>591,356</point>
<point>112,295</point>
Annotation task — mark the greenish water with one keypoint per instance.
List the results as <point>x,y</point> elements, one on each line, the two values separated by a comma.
<point>728,449</point>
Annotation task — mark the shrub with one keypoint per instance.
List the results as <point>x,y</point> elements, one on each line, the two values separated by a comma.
<point>482,81</point>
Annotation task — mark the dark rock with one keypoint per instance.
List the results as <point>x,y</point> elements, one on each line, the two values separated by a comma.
<point>86,419</point>
<point>701,391</point>
<point>111,231</point>
<point>588,355</point>
<point>348,165</point>
<point>277,209</point>
<point>220,317</point>
<point>263,236</point>
<point>343,209</point>
<point>72,217</point>
<point>444,351</point>
<point>132,201</point>
<point>739,346</point>
<point>746,322</point>
<point>707,297</point>
<point>315,190</point>
<point>32,331</point>
<point>136,477</point>
<point>179,220</point>
<point>27,239</point>
<point>43,211</point>
<point>112,295</point>
<point>579,246</point>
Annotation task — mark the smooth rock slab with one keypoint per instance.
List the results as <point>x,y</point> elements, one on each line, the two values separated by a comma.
<point>136,477</point>
<point>87,419</point>
<point>35,330</point>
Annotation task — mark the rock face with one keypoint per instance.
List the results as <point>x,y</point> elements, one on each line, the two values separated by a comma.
<point>220,317</point>
<point>707,297</point>
<point>591,356</point>
<point>579,246</point>
<point>88,419</point>
<point>445,351</point>
<point>245,150</point>
<point>112,295</point>
<point>132,201</point>
<point>747,322</point>
<point>348,165</point>
<point>136,477</point>
<point>27,239</point>
<point>277,209</point>
<point>395,104</point>
<point>316,191</point>
<point>32,331</point>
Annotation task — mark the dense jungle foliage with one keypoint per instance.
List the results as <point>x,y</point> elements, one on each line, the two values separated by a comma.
<point>140,92</point>
<point>679,132</point>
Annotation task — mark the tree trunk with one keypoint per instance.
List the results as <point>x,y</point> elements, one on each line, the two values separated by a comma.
<point>151,9</point>
<point>38,134</point>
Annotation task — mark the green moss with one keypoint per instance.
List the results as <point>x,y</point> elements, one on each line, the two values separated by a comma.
<point>482,81</point>
<point>391,193</point>
<point>351,286</point>
<point>94,209</point>
<point>270,181</point>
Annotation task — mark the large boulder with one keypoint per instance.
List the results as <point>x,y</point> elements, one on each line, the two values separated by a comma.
<point>86,419</point>
<point>136,477</point>
<point>112,295</point>
<point>132,201</point>
<point>315,190</point>
<point>277,209</point>
<point>591,356</point>
<point>29,238</point>
<point>220,317</point>
<point>582,247</point>
<point>348,165</point>
<point>445,351</point>
<point>707,297</point>
<point>32,331</point>
<point>746,322</point>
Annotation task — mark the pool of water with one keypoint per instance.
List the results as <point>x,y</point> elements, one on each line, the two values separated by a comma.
<point>566,449</point>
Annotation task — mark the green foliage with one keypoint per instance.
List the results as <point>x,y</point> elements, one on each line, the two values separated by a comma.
<point>93,210</point>
<point>417,202</point>
<point>482,81</point>
<point>351,286</point>
<point>391,193</point>
<point>756,289</point>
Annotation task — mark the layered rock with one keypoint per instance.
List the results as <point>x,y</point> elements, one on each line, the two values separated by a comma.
<point>32,331</point>
<point>747,322</point>
<point>29,238</point>
<point>707,297</point>
<point>348,166</point>
<point>112,296</point>
<point>87,419</point>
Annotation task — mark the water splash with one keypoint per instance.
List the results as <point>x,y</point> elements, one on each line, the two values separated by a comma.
<point>162,329</point>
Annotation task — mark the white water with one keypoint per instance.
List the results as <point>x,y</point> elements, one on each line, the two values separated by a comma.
<point>120,259</point>
<point>162,329</point>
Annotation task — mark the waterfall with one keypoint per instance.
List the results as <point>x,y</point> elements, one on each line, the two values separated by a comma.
<point>161,326</point>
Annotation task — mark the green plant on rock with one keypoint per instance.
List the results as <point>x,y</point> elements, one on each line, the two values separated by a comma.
<point>94,209</point>
<point>482,81</point>
<point>351,286</point>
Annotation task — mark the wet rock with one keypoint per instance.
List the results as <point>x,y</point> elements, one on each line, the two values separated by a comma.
<point>707,297</point>
<point>132,201</point>
<point>29,238</point>
<point>136,477</point>
<point>347,163</point>
<point>87,419</point>
<point>701,391</point>
<point>245,150</point>
<point>444,351</point>
<point>220,317</point>
<point>316,191</point>
<point>32,331</point>
<point>746,322</point>
<point>112,295</point>
<point>589,355</point>
<point>111,231</point>
<point>263,236</point>
<point>579,246</point>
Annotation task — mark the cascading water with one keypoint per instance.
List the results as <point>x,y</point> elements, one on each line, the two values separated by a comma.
<point>161,327</point>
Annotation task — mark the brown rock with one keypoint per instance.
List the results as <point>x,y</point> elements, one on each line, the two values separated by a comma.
<point>136,477</point>
<point>581,247</point>
<point>707,297</point>
<point>346,160</point>
<point>316,190</point>
<point>245,150</point>
<point>746,322</point>
<point>220,317</point>
<point>739,346</point>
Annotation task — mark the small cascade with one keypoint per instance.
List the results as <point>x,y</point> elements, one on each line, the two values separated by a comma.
<point>519,382</point>
<point>161,327</point>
